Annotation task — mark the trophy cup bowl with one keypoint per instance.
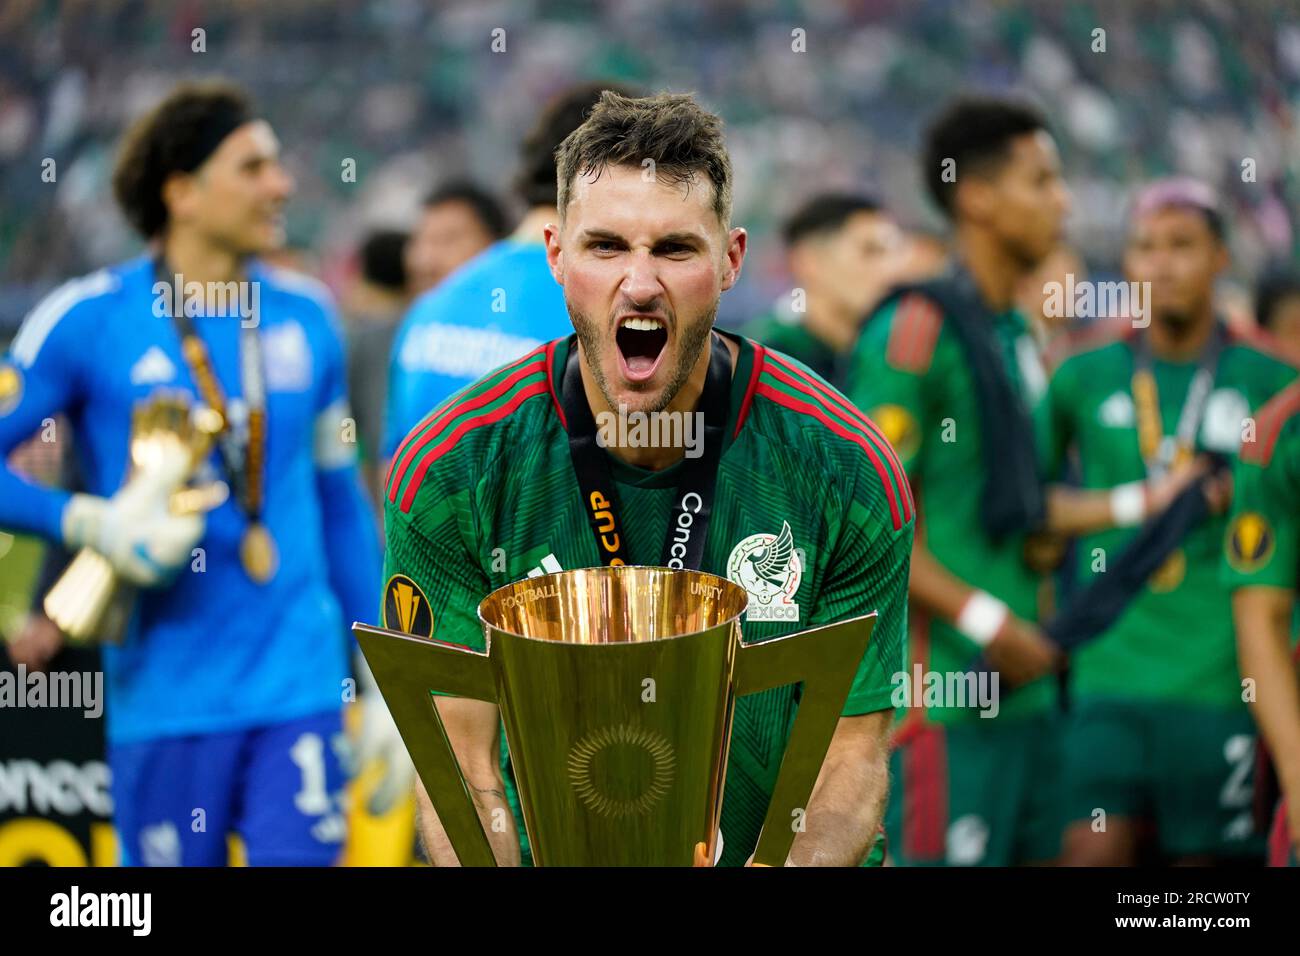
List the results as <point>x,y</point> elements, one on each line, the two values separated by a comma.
<point>169,438</point>
<point>616,688</point>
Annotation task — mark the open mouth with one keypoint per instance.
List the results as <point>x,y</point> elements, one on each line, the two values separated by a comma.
<point>641,342</point>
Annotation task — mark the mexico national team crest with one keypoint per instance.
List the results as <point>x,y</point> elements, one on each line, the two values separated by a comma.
<point>406,608</point>
<point>1250,541</point>
<point>768,567</point>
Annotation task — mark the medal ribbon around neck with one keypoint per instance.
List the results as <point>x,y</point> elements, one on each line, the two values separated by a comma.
<point>245,465</point>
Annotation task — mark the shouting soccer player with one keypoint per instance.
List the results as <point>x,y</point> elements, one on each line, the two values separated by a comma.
<point>800,500</point>
<point>225,697</point>
<point>1262,554</point>
<point>1157,732</point>
<point>949,369</point>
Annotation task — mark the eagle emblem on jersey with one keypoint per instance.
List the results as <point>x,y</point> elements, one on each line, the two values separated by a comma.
<point>769,568</point>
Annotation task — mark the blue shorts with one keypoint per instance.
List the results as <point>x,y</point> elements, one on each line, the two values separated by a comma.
<point>280,787</point>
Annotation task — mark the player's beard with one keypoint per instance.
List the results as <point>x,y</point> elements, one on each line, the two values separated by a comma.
<point>596,345</point>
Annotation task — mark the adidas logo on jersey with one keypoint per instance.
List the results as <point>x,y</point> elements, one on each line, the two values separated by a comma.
<point>152,368</point>
<point>550,565</point>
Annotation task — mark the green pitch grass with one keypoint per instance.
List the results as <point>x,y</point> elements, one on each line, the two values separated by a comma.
<point>20,561</point>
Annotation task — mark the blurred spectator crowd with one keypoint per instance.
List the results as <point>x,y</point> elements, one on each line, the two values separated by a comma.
<point>817,94</point>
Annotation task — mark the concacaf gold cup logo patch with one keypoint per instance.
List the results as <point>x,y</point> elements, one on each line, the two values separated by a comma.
<point>11,387</point>
<point>1250,542</point>
<point>899,427</point>
<point>406,609</point>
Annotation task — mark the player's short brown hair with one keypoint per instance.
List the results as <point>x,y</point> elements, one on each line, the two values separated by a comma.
<point>681,138</point>
<point>175,136</point>
<point>535,182</point>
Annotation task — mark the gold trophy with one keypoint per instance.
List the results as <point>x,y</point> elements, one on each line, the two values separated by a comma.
<point>168,435</point>
<point>616,688</point>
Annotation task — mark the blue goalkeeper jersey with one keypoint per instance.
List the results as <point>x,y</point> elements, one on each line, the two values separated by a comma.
<point>213,650</point>
<point>495,308</point>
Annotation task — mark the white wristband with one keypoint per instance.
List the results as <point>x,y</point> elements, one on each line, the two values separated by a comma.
<point>981,617</point>
<point>1128,504</point>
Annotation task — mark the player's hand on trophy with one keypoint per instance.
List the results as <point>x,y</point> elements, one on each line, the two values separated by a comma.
<point>380,741</point>
<point>137,530</point>
<point>1021,652</point>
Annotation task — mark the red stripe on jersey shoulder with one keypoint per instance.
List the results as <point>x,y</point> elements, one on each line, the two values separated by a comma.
<point>438,409</point>
<point>550,383</point>
<point>1270,418</point>
<point>760,356</point>
<point>844,431</point>
<point>436,423</point>
<point>785,371</point>
<point>915,331</point>
<point>441,407</point>
<point>467,425</point>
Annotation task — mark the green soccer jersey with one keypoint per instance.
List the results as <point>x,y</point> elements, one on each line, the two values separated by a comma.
<point>782,330</point>
<point>1175,641</point>
<point>1261,546</point>
<point>483,493</point>
<point>909,373</point>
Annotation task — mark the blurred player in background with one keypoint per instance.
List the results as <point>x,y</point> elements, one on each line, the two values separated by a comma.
<point>844,252</point>
<point>800,501</point>
<point>949,370</point>
<point>374,306</point>
<point>502,304</point>
<point>1277,307</point>
<point>1262,555</point>
<point>224,700</point>
<point>459,221</point>
<point>1157,732</point>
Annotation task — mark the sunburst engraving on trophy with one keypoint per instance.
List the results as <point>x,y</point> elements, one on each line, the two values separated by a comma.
<point>586,754</point>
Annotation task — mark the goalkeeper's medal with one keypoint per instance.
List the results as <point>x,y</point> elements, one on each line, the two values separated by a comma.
<point>244,462</point>
<point>257,552</point>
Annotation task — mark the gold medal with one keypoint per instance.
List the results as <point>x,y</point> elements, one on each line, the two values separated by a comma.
<point>1170,574</point>
<point>257,553</point>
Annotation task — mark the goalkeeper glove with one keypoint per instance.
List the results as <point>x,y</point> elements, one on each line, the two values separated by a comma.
<point>135,530</point>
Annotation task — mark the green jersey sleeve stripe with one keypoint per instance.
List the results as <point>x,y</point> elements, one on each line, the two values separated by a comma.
<point>787,400</point>
<point>467,423</point>
<point>894,478</point>
<point>836,402</point>
<point>512,382</point>
<point>488,381</point>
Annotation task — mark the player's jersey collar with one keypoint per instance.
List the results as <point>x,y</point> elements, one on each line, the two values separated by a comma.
<point>741,388</point>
